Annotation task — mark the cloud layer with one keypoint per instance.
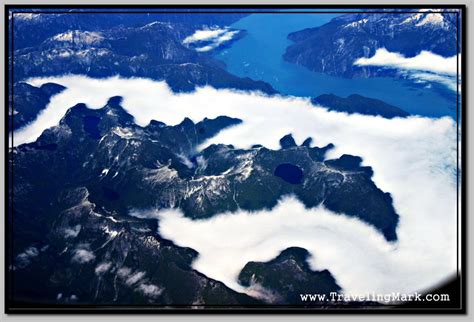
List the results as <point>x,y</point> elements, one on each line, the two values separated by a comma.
<point>413,158</point>
<point>425,66</point>
<point>212,38</point>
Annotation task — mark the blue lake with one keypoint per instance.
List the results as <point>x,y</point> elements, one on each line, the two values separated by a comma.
<point>258,55</point>
<point>290,173</point>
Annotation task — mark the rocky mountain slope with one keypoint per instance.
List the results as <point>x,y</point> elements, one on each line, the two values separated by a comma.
<point>287,276</point>
<point>82,179</point>
<point>123,44</point>
<point>333,47</point>
<point>29,101</point>
<point>154,50</point>
<point>358,104</point>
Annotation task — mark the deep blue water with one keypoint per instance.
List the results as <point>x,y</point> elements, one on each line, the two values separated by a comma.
<point>91,126</point>
<point>110,194</point>
<point>258,55</point>
<point>290,173</point>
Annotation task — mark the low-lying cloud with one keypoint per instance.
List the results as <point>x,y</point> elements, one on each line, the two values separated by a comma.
<point>425,66</point>
<point>83,255</point>
<point>209,38</point>
<point>139,282</point>
<point>150,290</point>
<point>24,259</point>
<point>103,268</point>
<point>424,61</point>
<point>413,158</point>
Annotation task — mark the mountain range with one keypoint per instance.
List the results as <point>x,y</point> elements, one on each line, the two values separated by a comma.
<point>334,47</point>
<point>78,188</point>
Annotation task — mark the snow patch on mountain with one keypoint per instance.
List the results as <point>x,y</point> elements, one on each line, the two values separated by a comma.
<point>427,18</point>
<point>435,19</point>
<point>357,23</point>
<point>27,16</point>
<point>79,37</point>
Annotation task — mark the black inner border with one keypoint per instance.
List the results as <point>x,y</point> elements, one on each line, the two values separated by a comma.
<point>218,9</point>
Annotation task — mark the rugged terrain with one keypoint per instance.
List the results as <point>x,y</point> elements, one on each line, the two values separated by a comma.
<point>334,47</point>
<point>358,104</point>
<point>81,180</point>
<point>74,190</point>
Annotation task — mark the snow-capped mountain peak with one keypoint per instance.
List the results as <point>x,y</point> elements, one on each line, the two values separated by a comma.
<point>77,36</point>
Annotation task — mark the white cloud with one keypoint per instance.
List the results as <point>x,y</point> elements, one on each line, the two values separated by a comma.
<point>449,82</point>
<point>413,158</point>
<point>186,161</point>
<point>149,213</point>
<point>213,37</point>
<point>258,291</point>
<point>137,279</point>
<point>205,48</point>
<point>425,66</point>
<point>424,61</point>
<point>72,232</point>
<point>103,268</point>
<point>83,255</point>
<point>227,36</point>
<point>134,278</point>
<point>204,35</point>
<point>124,272</point>
<point>24,259</point>
<point>150,290</point>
